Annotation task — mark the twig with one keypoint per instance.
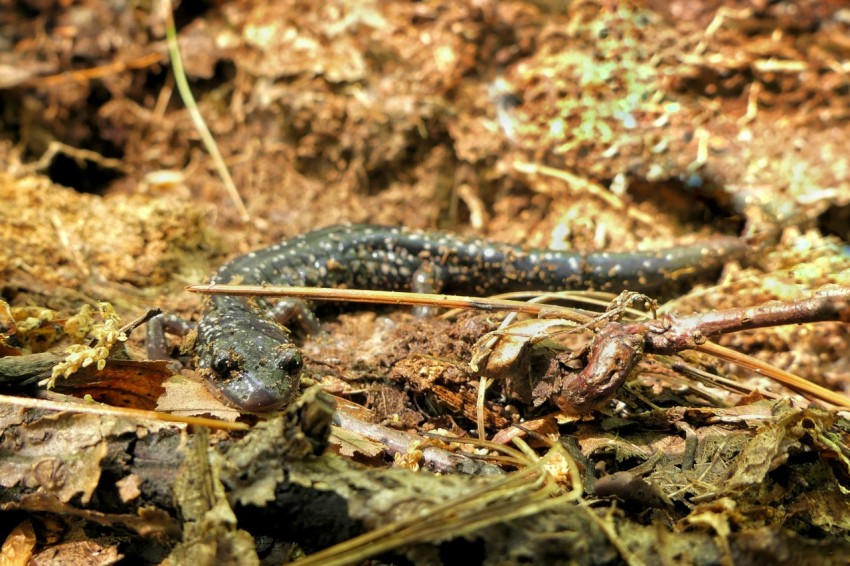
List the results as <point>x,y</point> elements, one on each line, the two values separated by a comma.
<point>98,409</point>
<point>80,155</point>
<point>391,298</point>
<point>618,347</point>
<point>84,75</point>
<point>25,370</point>
<point>673,334</point>
<point>788,379</point>
<point>139,321</point>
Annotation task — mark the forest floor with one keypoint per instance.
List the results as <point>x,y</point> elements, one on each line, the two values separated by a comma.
<point>565,125</point>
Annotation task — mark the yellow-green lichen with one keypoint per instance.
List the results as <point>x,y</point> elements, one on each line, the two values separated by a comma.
<point>105,334</point>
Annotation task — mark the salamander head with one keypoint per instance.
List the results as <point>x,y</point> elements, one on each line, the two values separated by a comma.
<point>254,367</point>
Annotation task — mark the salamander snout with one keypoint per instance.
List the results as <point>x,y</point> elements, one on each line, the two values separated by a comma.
<point>257,375</point>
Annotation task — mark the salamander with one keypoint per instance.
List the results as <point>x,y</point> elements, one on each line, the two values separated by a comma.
<point>252,362</point>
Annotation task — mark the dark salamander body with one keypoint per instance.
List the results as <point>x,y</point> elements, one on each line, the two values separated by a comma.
<point>253,363</point>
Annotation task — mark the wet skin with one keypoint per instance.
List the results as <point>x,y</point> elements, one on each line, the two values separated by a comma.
<point>253,364</point>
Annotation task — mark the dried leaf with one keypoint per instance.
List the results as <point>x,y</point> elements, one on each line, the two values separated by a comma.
<point>499,352</point>
<point>351,444</point>
<point>18,546</point>
<point>190,397</point>
<point>67,467</point>
<point>545,426</point>
<point>120,383</point>
<point>766,451</point>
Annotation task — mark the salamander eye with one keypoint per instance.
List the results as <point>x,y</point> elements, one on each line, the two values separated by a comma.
<point>222,364</point>
<point>289,361</point>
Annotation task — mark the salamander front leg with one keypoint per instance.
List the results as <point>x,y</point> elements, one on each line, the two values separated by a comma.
<point>428,278</point>
<point>299,313</point>
<point>157,345</point>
